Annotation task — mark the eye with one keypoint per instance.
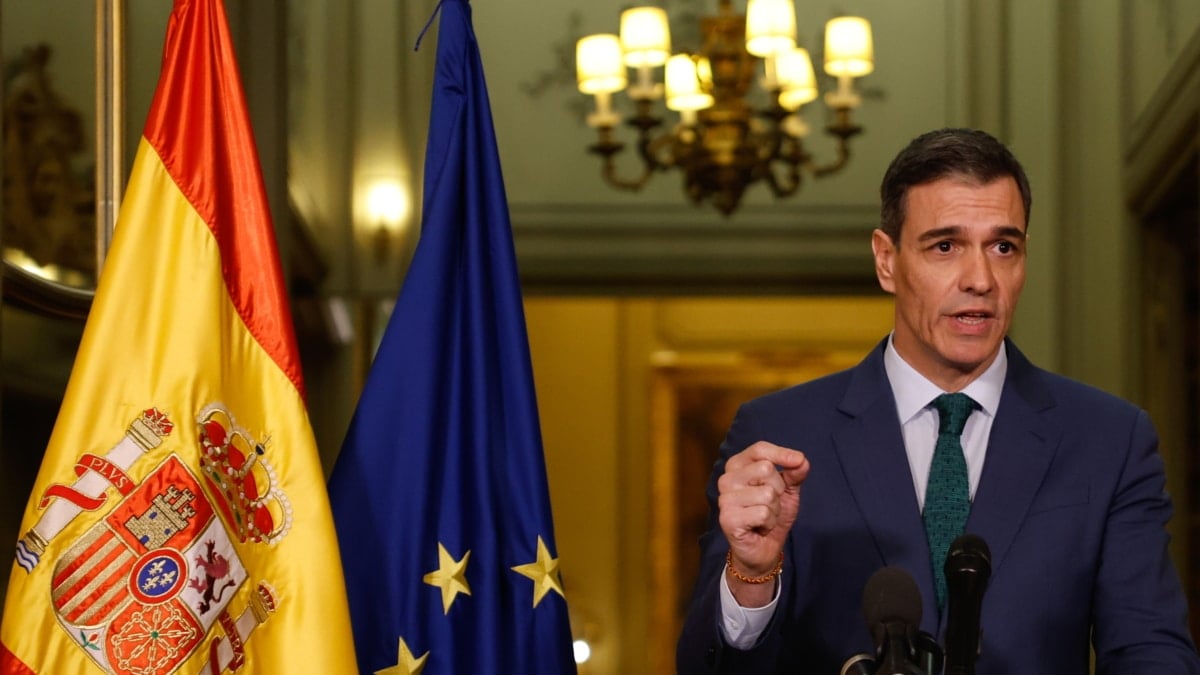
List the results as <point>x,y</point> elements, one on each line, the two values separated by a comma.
<point>944,246</point>
<point>1006,247</point>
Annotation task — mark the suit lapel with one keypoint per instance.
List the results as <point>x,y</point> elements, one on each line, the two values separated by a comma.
<point>1020,451</point>
<point>870,449</point>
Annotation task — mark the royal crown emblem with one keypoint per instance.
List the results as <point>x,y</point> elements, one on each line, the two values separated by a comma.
<point>242,480</point>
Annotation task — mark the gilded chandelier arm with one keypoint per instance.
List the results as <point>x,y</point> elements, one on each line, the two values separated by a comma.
<point>784,151</point>
<point>792,157</point>
<point>844,129</point>
<point>843,158</point>
<point>608,148</point>
<point>649,149</point>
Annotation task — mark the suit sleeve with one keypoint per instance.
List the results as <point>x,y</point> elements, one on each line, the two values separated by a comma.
<point>1139,608</point>
<point>702,648</point>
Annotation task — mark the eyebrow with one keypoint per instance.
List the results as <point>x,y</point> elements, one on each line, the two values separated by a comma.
<point>957,230</point>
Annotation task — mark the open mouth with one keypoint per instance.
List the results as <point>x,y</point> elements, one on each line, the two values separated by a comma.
<point>972,318</point>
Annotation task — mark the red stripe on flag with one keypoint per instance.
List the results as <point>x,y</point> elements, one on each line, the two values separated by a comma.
<point>199,126</point>
<point>86,611</point>
<point>11,665</point>
<point>105,573</point>
<point>82,559</point>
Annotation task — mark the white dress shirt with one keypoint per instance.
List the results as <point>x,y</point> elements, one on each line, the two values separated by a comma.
<point>914,395</point>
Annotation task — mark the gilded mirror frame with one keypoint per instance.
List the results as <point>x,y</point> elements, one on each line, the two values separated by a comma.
<point>41,288</point>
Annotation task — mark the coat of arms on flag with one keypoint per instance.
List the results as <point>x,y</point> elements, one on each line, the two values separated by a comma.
<point>140,590</point>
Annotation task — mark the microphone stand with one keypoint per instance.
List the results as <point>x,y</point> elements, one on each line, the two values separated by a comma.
<point>927,654</point>
<point>924,658</point>
<point>859,664</point>
<point>896,657</point>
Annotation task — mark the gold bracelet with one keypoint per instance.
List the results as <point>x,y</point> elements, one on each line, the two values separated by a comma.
<point>753,580</point>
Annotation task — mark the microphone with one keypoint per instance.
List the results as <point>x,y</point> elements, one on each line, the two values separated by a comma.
<point>892,608</point>
<point>968,568</point>
<point>927,654</point>
<point>859,664</point>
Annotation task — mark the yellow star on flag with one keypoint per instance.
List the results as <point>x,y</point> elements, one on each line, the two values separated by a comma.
<point>406,663</point>
<point>450,576</point>
<point>543,571</point>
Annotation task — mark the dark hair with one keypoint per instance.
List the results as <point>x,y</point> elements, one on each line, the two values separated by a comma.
<point>970,154</point>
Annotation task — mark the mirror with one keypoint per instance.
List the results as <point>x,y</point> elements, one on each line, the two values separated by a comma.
<point>62,156</point>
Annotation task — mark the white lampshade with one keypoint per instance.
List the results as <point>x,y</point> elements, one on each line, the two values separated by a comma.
<point>598,66</point>
<point>848,48</point>
<point>684,91</point>
<point>770,26</point>
<point>797,81</point>
<point>645,36</point>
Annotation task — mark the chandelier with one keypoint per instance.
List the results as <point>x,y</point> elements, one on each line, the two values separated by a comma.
<point>721,142</point>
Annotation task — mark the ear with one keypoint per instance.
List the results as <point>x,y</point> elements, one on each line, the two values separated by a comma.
<point>885,259</point>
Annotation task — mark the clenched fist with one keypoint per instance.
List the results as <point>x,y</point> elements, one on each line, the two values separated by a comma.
<point>758,499</point>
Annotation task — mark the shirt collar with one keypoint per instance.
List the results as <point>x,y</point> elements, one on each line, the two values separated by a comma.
<point>913,391</point>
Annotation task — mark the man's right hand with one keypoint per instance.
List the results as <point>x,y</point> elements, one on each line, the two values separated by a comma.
<point>758,499</point>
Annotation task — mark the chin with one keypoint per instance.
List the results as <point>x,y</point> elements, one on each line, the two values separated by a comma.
<point>970,360</point>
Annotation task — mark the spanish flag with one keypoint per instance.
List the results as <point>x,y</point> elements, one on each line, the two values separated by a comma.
<point>180,522</point>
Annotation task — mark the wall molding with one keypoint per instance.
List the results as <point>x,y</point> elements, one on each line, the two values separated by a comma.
<point>655,249</point>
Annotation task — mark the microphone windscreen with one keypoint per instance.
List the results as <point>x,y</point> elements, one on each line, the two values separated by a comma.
<point>968,552</point>
<point>891,595</point>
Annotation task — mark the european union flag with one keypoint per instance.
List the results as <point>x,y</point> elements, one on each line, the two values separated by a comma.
<point>439,494</point>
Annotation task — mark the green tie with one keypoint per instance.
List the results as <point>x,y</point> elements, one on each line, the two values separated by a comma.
<point>947,496</point>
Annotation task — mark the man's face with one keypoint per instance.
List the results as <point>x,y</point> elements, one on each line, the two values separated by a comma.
<point>957,273</point>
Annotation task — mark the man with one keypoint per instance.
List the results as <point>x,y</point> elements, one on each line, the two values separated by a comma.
<point>821,485</point>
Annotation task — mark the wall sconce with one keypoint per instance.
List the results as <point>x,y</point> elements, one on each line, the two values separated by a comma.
<point>386,206</point>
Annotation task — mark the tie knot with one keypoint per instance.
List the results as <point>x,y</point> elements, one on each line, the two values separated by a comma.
<point>953,411</point>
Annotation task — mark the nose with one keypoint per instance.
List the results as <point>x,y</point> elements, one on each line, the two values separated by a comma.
<point>976,275</point>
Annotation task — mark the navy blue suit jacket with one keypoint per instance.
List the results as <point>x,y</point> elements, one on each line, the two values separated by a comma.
<point>1071,502</point>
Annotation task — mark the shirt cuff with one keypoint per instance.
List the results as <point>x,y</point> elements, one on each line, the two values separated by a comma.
<point>742,626</point>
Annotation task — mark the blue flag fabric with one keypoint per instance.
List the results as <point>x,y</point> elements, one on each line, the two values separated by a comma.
<point>439,494</point>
